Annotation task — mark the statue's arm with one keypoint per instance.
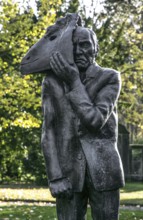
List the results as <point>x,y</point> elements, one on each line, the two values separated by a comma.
<point>94,114</point>
<point>59,185</point>
<point>48,141</point>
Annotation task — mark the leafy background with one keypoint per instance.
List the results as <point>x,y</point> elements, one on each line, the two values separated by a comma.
<point>119,29</point>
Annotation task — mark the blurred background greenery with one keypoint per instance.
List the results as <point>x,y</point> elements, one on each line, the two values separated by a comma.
<point>119,28</point>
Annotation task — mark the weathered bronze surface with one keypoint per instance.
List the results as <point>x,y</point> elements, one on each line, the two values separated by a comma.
<point>38,57</point>
<point>79,135</point>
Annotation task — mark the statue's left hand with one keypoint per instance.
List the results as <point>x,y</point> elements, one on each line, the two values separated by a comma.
<point>66,72</point>
<point>61,188</point>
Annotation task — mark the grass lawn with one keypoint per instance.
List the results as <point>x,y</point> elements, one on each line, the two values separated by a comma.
<point>131,194</point>
<point>34,212</point>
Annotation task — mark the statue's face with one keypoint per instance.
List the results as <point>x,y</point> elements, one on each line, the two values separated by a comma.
<point>83,48</point>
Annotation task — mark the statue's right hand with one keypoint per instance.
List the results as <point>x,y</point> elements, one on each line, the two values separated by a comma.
<point>61,188</point>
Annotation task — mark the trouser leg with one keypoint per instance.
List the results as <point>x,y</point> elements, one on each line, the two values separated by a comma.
<point>104,205</point>
<point>74,209</point>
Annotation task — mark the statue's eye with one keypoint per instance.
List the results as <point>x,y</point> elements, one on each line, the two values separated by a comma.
<point>84,44</point>
<point>52,37</point>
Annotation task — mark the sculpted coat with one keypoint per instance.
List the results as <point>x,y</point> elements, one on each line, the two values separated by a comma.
<point>79,134</point>
<point>80,129</point>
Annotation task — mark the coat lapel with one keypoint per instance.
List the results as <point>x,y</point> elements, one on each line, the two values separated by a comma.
<point>93,76</point>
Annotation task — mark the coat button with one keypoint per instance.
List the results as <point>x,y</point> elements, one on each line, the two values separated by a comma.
<point>79,156</point>
<point>79,130</point>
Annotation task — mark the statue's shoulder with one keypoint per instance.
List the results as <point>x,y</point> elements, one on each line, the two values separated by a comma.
<point>96,71</point>
<point>107,72</point>
<point>51,80</point>
<point>52,85</point>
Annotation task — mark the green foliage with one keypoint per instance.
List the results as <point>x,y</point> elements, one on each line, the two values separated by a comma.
<point>133,187</point>
<point>120,33</point>
<point>36,212</point>
<point>130,215</point>
<point>20,98</point>
<point>28,212</point>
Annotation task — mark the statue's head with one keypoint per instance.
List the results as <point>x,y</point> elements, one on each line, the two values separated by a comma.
<point>65,36</point>
<point>85,47</point>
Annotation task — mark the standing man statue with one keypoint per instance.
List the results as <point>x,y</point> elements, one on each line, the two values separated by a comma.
<point>79,137</point>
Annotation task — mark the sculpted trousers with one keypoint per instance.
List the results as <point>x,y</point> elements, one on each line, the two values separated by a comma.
<point>104,205</point>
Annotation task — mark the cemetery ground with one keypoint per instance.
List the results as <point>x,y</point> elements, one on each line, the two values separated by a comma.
<point>26,202</point>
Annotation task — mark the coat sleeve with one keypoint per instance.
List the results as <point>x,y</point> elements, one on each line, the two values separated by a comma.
<point>94,114</point>
<point>48,141</point>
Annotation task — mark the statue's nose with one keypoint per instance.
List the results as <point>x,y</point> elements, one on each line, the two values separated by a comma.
<point>78,50</point>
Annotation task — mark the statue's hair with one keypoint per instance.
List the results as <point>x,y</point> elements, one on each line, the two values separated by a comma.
<point>95,41</point>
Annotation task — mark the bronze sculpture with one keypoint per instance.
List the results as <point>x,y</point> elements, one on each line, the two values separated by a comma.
<point>79,137</point>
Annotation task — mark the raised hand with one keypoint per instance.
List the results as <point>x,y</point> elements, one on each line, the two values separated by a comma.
<point>66,72</point>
